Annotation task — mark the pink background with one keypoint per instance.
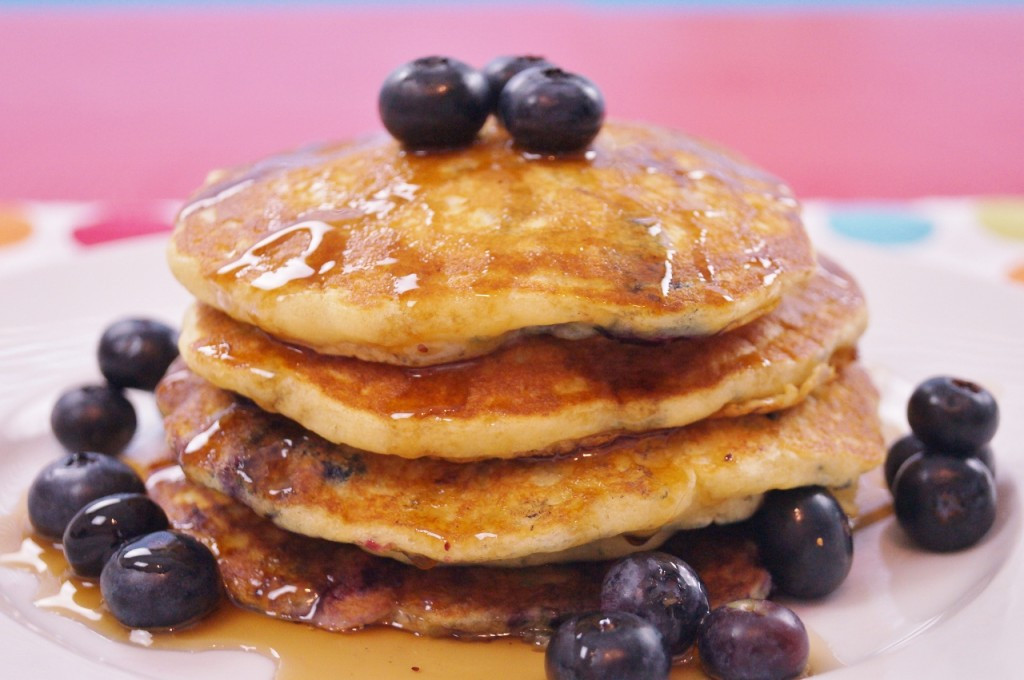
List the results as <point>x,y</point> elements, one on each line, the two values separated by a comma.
<point>136,105</point>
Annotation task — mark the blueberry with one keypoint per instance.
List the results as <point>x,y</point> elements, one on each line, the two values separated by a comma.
<point>162,580</point>
<point>102,526</point>
<point>753,640</point>
<point>905,448</point>
<point>606,646</point>
<point>93,418</point>
<point>549,111</point>
<point>953,415</point>
<point>137,352</point>
<point>899,452</point>
<point>661,589</point>
<point>65,486</point>
<point>944,503</point>
<point>434,103</point>
<point>499,70</point>
<point>804,539</point>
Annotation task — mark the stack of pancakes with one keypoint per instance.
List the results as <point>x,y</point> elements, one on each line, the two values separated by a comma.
<point>458,382</point>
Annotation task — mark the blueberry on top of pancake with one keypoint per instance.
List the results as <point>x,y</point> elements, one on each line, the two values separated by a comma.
<point>365,250</point>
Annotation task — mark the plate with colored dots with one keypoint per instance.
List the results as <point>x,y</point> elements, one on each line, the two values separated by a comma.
<point>934,310</point>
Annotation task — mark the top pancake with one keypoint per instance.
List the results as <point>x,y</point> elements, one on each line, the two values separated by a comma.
<point>362,249</point>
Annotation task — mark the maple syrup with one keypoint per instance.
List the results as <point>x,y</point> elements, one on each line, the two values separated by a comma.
<point>298,651</point>
<point>875,515</point>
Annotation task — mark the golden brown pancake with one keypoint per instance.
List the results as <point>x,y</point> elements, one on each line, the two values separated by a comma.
<point>340,587</point>
<point>362,249</point>
<point>541,394</point>
<point>523,510</point>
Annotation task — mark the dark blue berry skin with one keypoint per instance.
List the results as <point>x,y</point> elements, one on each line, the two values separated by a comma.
<point>753,640</point>
<point>549,111</point>
<point>944,503</point>
<point>899,452</point>
<point>93,418</point>
<point>661,589</point>
<point>804,539</point>
<point>136,352</point>
<point>606,646</point>
<point>500,70</point>
<point>65,486</point>
<point>952,415</point>
<point>104,525</point>
<point>434,103</point>
<point>161,580</point>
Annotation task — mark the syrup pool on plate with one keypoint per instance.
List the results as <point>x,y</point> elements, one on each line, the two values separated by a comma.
<point>299,651</point>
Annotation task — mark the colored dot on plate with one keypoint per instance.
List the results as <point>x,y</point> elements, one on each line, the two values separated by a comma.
<point>880,224</point>
<point>115,227</point>
<point>1003,216</point>
<point>13,226</point>
<point>1016,273</point>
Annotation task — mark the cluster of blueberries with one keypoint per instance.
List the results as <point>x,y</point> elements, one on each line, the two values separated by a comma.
<point>654,607</point>
<point>438,103</point>
<point>97,506</point>
<point>942,475</point>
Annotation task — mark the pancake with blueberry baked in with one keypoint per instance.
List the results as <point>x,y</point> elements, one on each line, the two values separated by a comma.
<point>541,395</point>
<point>340,587</point>
<point>369,250</point>
<point>598,503</point>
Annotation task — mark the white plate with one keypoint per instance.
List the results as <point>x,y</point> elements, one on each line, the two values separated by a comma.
<point>902,613</point>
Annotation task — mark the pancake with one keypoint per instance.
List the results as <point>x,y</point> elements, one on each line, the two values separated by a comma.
<point>519,511</point>
<point>541,394</point>
<point>362,249</point>
<point>340,587</point>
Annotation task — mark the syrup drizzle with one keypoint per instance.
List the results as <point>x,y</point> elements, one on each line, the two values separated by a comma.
<point>875,515</point>
<point>291,269</point>
<point>385,214</point>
